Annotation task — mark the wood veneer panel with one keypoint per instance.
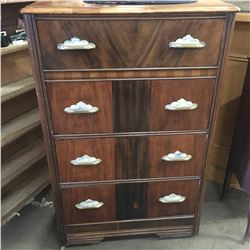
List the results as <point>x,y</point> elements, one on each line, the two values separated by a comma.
<point>99,95</point>
<point>72,196</point>
<point>159,146</point>
<point>156,190</point>
<point>182,72</point>
<point>131,105</point>
<point>131,201</point>
<point>115,40</point>
<point>68,150</point>
<point>130,157</point>
<point>164,92</point>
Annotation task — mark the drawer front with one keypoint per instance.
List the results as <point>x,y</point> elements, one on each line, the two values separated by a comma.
<point>172,198</point>
<point>130,157</point>
<point>167,110</point>
<point>131,106</point>
<point>79,119</point>
<point>129,201</point>
<point>78,208</point>
<point>128,43</point>
<point>72,169</point>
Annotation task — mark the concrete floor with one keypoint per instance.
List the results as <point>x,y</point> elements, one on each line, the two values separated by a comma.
<point>222,227</point>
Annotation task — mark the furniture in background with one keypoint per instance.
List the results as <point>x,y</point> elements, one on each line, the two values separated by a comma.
<point>233,80</point>
<point>127,96</point>
<point>24,167</point>
<point>239,157</point>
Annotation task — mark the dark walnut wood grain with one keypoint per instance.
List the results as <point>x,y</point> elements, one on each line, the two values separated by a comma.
<point>129,43</point>
<point>130,106</point>
<point>130,157</point>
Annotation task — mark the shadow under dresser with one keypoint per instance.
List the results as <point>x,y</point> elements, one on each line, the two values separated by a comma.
<point>127,97</point>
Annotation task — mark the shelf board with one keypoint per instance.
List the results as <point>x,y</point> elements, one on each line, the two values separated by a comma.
<point>17,127</point>
<point>16,1</point>
<point>24,193</point>
<point>14,48</point>
<point>17,88</point>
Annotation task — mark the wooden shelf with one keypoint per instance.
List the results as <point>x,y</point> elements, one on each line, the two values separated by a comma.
<point>19,126</point>
<point>16,1</point>
<point>21,161</point>
<point>16,88</point>
<point>14,48</point>
<point>24,193</point>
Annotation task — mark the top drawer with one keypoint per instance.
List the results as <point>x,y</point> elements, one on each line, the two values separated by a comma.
<point>129,43</point>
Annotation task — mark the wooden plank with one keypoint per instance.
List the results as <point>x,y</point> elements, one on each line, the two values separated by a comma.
<point>243,17</point>
<point>24,192</point>
<point>16,88</point>
<point>12,48</point>
<point>21,161</point>
<point>19,62</point>
<point>19,126</point>
<point>16,1</point>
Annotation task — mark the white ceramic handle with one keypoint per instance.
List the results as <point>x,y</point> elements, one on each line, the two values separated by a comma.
<point>172,198</point>
<point>76,43</point>
<point>187,42</point>
<point>81,108</point>
<point>176,156</point>
<point>181,104</point>
<point>85,160</point>
<point>89,204</point>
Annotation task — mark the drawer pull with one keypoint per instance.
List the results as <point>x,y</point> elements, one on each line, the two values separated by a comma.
<point>187,42</point>
<point>80,108</point>
<point>75,43</point>
<point>89,204</point>
<point>172,198</point>
<point>181,104</point>
<point>85,160</point>
<point>176,156</point>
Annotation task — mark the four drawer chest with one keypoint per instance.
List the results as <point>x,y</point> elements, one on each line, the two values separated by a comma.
<point>127,97</point>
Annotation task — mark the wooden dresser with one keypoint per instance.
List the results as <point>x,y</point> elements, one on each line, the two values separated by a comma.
<point>127,98</point>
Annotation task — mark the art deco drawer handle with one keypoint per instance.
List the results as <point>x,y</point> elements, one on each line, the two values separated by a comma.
<point>176,156</point>
<point>89,204</point>
<point>172,198</point>
<point>81,107</point>
<point>187,42</point>
<point>75,43</point>
<point>85,160</point>
<point>181,104</point>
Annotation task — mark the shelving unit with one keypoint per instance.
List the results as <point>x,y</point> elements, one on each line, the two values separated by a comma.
<point>24,166</point>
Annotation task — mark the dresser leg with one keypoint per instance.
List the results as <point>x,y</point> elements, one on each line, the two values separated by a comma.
<point>247,233</point>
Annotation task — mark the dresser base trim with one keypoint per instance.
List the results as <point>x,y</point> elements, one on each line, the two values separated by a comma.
<point>162,233</point>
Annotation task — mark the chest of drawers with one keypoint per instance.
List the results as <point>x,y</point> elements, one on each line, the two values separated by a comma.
<point>127,98</point>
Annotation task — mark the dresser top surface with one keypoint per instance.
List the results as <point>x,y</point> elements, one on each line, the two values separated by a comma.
<point>79,7</point>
